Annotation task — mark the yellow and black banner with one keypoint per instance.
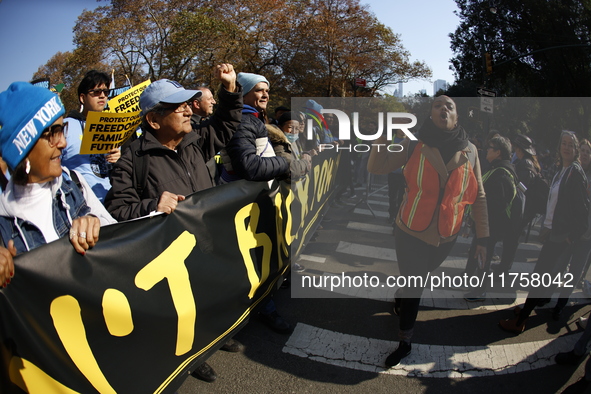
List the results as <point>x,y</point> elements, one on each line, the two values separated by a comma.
<point>156,296</point>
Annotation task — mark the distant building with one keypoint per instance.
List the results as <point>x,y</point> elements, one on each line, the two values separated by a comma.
<point>399,93</point>
<point>438,85</point>
<point>423,92</point>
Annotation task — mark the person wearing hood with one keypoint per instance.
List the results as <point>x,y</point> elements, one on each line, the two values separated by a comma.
<point>43,201</point>
<point>442,174</point>
<point>500,186</point>
<point>96,168</point>
<point>285,143</point>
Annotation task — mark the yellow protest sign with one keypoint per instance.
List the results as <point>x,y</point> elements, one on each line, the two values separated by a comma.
<point>128,101</point>
<point>105,131</point>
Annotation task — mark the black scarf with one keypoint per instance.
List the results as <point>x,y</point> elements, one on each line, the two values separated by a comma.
<point>447,141</point>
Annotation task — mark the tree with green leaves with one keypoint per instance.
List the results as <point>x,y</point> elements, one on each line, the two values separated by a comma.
<point>537,48</point>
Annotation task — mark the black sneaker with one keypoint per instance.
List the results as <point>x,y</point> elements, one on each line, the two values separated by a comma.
<point>276,322</point>
<point>568,358</point>
<point>232,346</point>
<point>404,349</point>
<point>205,372</point>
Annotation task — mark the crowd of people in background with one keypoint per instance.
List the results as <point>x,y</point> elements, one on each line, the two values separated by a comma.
<point>192,140</point>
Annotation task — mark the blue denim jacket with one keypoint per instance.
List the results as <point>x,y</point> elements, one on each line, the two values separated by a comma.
<point>68,204</point>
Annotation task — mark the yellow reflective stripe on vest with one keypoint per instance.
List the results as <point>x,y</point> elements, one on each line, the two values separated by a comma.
<point>425,197</point>
<point>415,203</point>
<point>461,189</point>
<point>465,180</point>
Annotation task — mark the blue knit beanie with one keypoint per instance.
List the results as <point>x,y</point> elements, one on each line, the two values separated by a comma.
<point>248,80</point>
<point>25,111</point>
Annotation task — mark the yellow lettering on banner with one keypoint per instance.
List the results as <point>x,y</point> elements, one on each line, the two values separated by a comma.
<point>323,178</point>
<point>284,237</point>
<point>31,379</point>
<point>67,320</point>
<point>302,193</point>
<point>322,183</point>
<point>249,239</point>
<point>117,313</point>
<point>317,173</point>
<point>170,265</point>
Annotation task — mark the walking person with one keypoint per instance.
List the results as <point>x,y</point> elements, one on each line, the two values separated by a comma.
<point>577,258</point>
<point>536,195</point>
<point>443,176</point>
<point>566,219</point>
<point>500,185</point>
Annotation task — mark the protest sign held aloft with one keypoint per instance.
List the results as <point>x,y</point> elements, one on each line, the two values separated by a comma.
<point>105,131</point>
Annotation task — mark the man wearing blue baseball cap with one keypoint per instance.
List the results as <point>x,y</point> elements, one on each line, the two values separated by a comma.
<point>168,161</point>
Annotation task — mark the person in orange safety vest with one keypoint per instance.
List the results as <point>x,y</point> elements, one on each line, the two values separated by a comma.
<point>442,174</point>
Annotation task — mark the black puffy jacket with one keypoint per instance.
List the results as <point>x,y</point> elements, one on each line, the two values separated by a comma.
<point>242,150</point>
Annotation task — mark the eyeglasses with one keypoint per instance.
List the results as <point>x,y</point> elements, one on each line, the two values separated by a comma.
<point>98,92</point>
<point>180,108</point>
<point>492,147</point>
<point>54,133</point>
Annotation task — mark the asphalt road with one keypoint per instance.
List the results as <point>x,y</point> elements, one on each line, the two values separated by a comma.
<point>340,342</point>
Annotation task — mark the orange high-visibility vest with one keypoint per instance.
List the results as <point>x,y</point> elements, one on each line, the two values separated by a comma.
<point>424,195</point>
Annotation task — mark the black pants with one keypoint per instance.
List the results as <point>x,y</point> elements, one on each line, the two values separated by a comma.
<point>510,241</point>
<point>549,256</point>
<point>415,258</point>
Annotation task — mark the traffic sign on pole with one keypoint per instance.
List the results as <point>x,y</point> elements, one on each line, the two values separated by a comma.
<point>486,104</point>
<point>486,92</point>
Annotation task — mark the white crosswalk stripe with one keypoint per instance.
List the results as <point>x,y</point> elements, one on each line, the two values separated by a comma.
<point>368,354</point>
<point>436,361</point>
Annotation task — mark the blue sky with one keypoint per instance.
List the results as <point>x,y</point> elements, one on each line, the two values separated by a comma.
<point>32,31</point>
<point>424,27</point>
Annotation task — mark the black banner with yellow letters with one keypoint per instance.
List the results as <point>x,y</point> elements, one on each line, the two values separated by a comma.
<point>156,296</point>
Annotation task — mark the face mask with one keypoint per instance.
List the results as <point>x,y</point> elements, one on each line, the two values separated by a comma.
<point>292,137</point>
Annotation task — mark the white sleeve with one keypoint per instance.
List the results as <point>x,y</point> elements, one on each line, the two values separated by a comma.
<point>96,207</point>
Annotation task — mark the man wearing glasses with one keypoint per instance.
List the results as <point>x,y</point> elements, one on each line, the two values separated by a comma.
<point>168,162</point>
<point>93,95</point>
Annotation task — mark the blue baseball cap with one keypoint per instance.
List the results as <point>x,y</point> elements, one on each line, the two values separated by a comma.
<point>165,91</point>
